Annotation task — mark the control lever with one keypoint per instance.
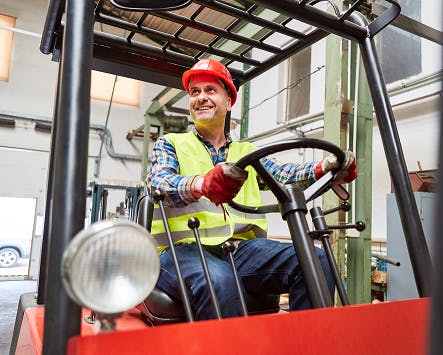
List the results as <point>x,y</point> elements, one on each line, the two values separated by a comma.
<point>384,258</point>
<point>194,223</point>
<point>359,225</point>
<point>340,191</point>
<point>344,206</point>
<point>158,198</point>
<point>228,249</point>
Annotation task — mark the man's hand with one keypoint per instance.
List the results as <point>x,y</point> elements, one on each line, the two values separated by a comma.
<point>220,184</point>
<point>347,171</point>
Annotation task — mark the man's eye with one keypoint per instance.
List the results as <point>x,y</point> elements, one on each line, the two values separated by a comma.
<point>194,92</point>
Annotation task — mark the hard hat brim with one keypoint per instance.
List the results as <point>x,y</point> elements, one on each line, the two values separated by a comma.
<point>192,72</point>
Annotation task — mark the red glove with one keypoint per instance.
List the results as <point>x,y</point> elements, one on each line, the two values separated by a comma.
<point>347,172</point>
<point>220,184</point>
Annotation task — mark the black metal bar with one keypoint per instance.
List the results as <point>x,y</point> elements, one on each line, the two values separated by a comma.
<point>41,288</point>
<point>436,312</point>
<point>62,316</point>
<point>289,51</point>
<point>318,18</point>
<point>221,33</point>
<point>320,225</point>
<point>53,18</point>
<point>410,25</point>
<point>228,249</point>
<point>344,206</point>
<point>194,223</point>
<point>385,18</point>
<point>181,283</point>
<point>359,225</point>
<point>412,226</point>
<point>384,258</point>
<point>112,21</point>
<point>304,247</point>
<point>237,13</point>
<point>119,43</point>
<point>338,282</point>
<point>104,204</point>
<point>95,198</point>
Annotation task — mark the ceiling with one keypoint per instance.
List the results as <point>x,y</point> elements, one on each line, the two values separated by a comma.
<point>249,37</point>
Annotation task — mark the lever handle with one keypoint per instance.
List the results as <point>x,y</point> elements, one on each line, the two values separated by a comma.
<point>158,196</point>
<point>344,206</point>
<point>359,225</point>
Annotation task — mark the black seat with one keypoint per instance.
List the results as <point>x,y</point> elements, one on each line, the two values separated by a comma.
<point>159,308</point>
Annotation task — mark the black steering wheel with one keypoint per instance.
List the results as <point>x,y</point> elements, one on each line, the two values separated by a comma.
<point>280,192</point>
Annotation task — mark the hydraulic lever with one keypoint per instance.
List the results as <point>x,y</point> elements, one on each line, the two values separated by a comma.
<point>228,249</point>
<point>194,223</point>
<point>359,225</point>
<point>345,206</point>
<point>158,197</point>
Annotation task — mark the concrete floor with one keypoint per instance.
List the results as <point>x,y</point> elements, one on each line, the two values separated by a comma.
<point>10,292</point>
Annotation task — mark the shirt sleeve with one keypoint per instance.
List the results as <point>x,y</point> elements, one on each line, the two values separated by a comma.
<point>303,175</point>
<point>164,176</point>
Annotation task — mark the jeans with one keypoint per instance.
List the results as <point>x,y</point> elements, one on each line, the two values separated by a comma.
<point>263,265</point>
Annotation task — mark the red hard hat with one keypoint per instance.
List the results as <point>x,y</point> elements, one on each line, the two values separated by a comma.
<point>211,67</point>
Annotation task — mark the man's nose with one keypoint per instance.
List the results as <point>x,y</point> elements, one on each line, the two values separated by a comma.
<point>201,96</point>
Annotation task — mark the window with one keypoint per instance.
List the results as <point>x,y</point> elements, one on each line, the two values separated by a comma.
<point>6,38</point>
<point>127,91</point>
<point>299,84</point>
<point>400,51</point>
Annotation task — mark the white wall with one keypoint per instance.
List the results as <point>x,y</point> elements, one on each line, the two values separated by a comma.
<point>29,94</point>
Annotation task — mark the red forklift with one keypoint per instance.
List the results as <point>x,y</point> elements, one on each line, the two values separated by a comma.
<point>88,303</point>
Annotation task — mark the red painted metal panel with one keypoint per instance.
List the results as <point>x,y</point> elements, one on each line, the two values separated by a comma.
<point>30,339</point>
<point>399,327</point>
<point>31,332</point>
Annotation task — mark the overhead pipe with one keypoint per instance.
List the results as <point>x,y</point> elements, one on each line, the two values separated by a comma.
<point>45,125</point>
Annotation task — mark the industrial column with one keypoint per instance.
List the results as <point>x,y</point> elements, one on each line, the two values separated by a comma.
<point>348,123</point>
<point>359,248</point>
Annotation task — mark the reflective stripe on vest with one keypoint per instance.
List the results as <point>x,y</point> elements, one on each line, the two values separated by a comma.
<point>216,226</point>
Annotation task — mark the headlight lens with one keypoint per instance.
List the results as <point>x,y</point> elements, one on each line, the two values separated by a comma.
<point>110,266</point>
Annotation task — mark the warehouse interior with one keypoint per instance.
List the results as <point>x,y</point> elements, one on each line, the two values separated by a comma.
<point>295,80</point>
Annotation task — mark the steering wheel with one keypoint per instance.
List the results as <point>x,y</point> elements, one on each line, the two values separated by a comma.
<point>313,191</point>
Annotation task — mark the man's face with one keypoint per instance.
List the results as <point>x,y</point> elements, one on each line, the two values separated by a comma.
<point>208,101</point>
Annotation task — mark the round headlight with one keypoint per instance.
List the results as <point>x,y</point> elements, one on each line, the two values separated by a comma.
<point>111,266</point>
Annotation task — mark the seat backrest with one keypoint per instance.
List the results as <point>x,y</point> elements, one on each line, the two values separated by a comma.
<point>144,211</point>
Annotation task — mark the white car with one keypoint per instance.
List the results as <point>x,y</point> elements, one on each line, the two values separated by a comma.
<point>12,249</point>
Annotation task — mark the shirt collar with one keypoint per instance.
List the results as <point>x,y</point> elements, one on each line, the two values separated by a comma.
<point>201,138</point>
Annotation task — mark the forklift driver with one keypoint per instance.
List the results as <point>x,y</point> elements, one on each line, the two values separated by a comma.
<point>195,173</point>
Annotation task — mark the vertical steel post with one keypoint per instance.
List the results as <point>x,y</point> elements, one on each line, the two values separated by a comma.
<point>436,313</point>
<point>304,247</point>
<point>62,316</point>
<point>359,249</point>
<point>412,227</point>
<point>335,128</point>
<point>48,205</point>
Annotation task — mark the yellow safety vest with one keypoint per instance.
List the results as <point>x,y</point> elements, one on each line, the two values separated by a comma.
<point>215,225</point>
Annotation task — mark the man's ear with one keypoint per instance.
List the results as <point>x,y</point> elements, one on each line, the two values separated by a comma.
<point>228,104</point>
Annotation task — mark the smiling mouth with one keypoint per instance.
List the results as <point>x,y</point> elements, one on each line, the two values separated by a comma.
<point>203,108</point>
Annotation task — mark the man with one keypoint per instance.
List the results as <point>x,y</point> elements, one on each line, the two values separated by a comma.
<point>195,173</point>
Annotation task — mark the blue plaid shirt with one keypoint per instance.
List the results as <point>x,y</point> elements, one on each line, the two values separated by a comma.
<point>164,174</point>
